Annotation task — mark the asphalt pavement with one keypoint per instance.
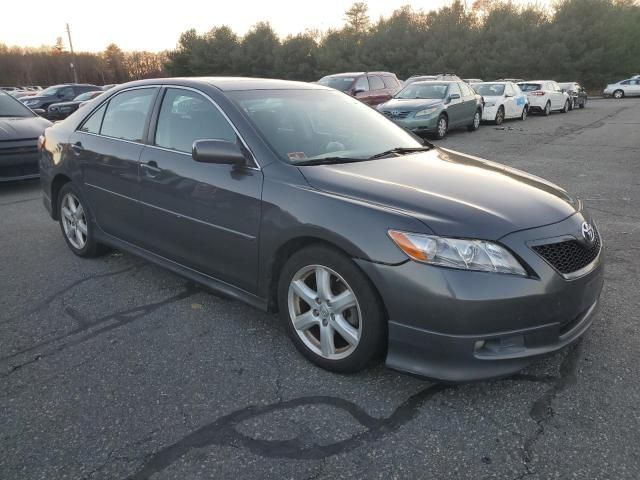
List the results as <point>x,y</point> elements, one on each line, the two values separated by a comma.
<point>113,368</point>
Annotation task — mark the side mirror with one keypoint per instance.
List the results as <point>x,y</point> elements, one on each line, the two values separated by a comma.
<point>217,151</point>
<point>564,90</point>
<point>453,96</point>
<point>357,92</point>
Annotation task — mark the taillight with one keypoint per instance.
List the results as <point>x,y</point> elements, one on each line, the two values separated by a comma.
<point>538,93</point>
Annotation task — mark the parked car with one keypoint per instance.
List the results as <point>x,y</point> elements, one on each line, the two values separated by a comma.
<point>22,93</point>
<point>545,96</point>
<point>61,110</point>
<point>109,86</point>
<point>434,107</point>
<point>366,240</point>
<point>371,88</point>
<point>473,80</point>
<point>577,94</point>
<point>19,132</point>
<point>512,80</point>
<point>502,100</point>
<point>623,88</point>
<point>56,94</point>
<point>9,89</point>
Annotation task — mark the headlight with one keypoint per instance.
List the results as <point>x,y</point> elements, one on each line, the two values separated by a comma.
<point>463,254</point>
<point>426,111</point>
<point>490,104</point>
<point>30,102</point>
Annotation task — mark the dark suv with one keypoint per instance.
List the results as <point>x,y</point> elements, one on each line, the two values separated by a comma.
<point>57,93</point>
<point>372,88</point>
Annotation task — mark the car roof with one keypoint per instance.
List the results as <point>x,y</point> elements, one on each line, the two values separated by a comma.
<point>354,74</point>
<point>229,83</point>
<point>495,81</point>
<point>436,81</point>
<point>537,81</point>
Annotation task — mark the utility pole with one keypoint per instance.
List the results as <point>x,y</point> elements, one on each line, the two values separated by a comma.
<point>73,57</point>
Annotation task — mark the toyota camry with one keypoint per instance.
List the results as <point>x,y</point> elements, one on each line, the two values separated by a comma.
<point>297,198</point>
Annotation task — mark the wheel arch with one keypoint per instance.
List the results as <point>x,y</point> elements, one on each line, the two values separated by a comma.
<point>57,183</point>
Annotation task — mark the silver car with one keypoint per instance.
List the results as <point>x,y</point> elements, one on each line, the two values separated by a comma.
<point>624,88</point>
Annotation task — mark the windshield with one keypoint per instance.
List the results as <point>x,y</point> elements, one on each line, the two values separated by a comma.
<point>339,83</point>
<point>424,91</point>
<point>530,87</point>
<point>303,125</point>
<point>489,89</point>
<point>10,107</point>
<point>86,96</point>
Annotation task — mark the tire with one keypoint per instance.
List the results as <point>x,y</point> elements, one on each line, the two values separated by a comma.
<point>499,116</point>
<point>565,109</point>
<point>441,127</point>
<point>618,94</point>
<point>547,109</point>
<point>321,323</point>
<point>572,104</point>
<point>583,104</point>
<point>76,223</point>
<point>475,123</point>
<point>525,112</point>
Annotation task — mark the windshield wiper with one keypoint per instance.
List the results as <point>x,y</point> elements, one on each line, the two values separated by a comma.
<point>329,160</point>
<point>399,151</point>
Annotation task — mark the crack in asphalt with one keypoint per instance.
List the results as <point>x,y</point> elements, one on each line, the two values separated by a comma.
<point>121,318</point>
<point>542,410</point>
<point>24,200</point>
<point>223,432</point>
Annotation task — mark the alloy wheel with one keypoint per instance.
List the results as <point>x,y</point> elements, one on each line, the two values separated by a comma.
<point>476,120</point>
<point>74,221</point>
<point>499,116</point>
<point>442,127</point>
<point>618,94</point>
<point>324,312</point>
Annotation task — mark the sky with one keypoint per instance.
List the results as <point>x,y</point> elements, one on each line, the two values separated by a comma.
<point>156,25</point>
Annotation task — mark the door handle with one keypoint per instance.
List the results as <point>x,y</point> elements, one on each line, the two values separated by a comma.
<point>151,168</point>
<point>77,147</point>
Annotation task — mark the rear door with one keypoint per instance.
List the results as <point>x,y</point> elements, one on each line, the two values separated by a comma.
<point>510,102</point>
<point>634,87</point>
<point>204,216</point>
<point>469,101</point>
<point>107,148</point>
<point>377,91</point>
<point>361,89</point>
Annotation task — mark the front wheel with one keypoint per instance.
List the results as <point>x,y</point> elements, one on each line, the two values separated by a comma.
<point>618,94</point>
<point>330,310</point>
<point>475,123</point>
<point>75,222</point>
<point>583,104</point>
<point>499,116</point>
<point>441,128</point>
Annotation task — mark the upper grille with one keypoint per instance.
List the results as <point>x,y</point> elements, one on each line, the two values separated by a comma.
<point>570,255</point>
<point>399,114</point>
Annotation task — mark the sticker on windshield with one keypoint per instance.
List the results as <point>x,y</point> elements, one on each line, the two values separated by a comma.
<point>296,155</point>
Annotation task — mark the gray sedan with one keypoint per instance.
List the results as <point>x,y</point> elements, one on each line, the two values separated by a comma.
<point>298,198</point>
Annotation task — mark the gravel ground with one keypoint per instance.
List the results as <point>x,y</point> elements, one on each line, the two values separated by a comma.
<point>113,368</point>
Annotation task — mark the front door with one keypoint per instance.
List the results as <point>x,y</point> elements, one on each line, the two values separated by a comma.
<point>455,106</point>
<point>203,216</point>
<point>107,148</point>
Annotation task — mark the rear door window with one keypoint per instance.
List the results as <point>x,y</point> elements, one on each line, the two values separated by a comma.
<point>390,82</point>
<point>362,84</point>
<point>376,83</point>
<point>127,113</point>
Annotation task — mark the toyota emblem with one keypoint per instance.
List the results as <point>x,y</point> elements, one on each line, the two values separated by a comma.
<point>588,233</point>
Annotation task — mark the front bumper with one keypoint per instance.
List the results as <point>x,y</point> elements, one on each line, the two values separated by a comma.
<point>19,160</point>
<point>489,113</point>
<point>427,123</point>
<point>457,325</point>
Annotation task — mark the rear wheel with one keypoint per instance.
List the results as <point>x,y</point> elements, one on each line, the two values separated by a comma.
<point>499,116</point>
<point>475,123</point>
<point>618,94</point>
<point>76,224</point>
<point>547,109</point>
<point>441,127</point>
<point>330,310</point>
<point>583,104</point>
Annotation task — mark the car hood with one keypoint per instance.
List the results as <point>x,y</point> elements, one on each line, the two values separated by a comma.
<point>65,104</point>
<point>452,193</point>
<point>17,128</point>
<point>409,103</point>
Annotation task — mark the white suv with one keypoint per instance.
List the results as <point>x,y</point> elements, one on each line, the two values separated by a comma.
<point>624,88</point>
<point>545,96</point>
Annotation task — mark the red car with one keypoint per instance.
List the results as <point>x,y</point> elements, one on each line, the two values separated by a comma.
<point>372,88</point>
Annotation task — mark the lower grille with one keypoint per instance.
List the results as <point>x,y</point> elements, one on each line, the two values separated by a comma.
<point>570,255</point>
<point>16,162</point>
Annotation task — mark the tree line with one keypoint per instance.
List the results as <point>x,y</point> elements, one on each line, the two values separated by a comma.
<point>591,41</point>
<point>52,65</point>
